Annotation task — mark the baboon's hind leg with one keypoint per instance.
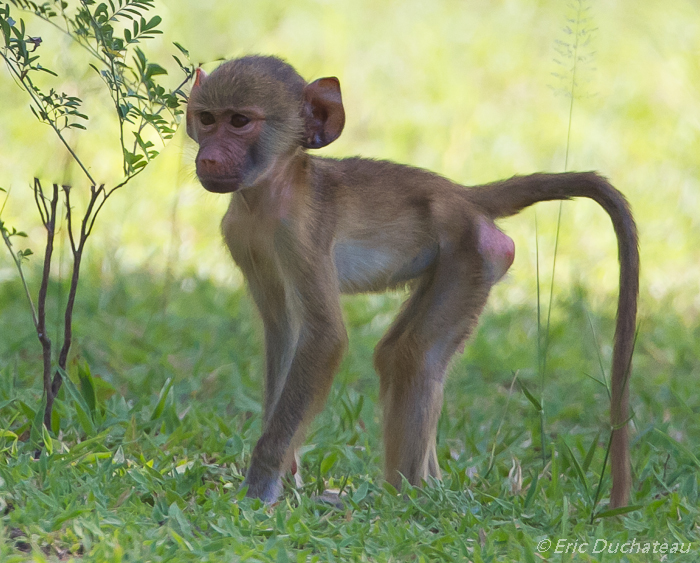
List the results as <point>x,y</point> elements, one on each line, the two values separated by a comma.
<point>412,358</point>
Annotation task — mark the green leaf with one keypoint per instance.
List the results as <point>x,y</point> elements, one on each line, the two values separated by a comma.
<point>176,515</point>
<point>183,543</point>
<point>591,452</point>
<point>530,396</point>
<point>677,533</point>
<point>577,466</point>
<point>81,408</point>
<point>7,403</point>
<point>162,398</point>
<point>46,439</point>
<point>131,158</point>
<point>46,70</point>
<point>618,511</point>
<point>532,490</point>
<point>234,445</point>
<point>154,22</point>
<point>37,431</point>
<point>84,419</point>
<point>19,34</point>
<point>36,114</point>
<point>87,388</point>
<point>104,390</point>
<point>6,25</point>
<point>389,488</point>
<point>27,411</point>
<point>678,446</point>
<point>182,49</point>
<point>360,493</point>
<point>155,70</point>
<point>328,462</point>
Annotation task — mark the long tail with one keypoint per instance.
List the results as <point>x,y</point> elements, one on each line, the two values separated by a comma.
<point>508,197</point>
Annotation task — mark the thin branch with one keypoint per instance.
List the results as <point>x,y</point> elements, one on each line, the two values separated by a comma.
<point>18,264</point>
<point>43,290</point>
<point>105,195</point>
<point>85,228</point>
<point>68,322</point>
<point>69,218</point>
<point>41,203</point>
<point>125,181</point>
<point>89,217</point>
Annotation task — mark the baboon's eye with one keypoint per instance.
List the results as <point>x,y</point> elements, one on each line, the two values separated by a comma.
<point>239,120</point>
<point>206,118</point>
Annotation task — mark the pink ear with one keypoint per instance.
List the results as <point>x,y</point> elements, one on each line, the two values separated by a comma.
<point>199,76</point>
<point>323,113</point>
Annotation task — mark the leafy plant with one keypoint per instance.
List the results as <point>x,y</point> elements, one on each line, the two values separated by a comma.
<point>147,113</point>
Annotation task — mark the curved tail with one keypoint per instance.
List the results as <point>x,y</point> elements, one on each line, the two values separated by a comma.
<point>508,197</point>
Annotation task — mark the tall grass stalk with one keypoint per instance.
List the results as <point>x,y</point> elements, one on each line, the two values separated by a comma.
<point>574,57</point>
<point>540,352</point>
<point>492,458</point>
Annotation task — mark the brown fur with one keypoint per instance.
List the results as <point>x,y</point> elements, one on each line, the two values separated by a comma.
<point>303,229</point>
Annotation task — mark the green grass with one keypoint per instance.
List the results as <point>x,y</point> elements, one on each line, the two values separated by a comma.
<point>149,449</point>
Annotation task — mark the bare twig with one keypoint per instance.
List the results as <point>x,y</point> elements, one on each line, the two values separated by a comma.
<point>50,225</point>
<point>85,229</point>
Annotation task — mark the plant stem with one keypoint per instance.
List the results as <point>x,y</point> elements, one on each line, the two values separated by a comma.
<point>572,90</point>
<point>572,96</point>
<point>44,339</point>
<point>18,264</point>
<point>540,360</point>
<point>77,249</point>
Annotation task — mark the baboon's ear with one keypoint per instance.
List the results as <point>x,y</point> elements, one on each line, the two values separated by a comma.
<point>323,113</point>
<point>199,77</point>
